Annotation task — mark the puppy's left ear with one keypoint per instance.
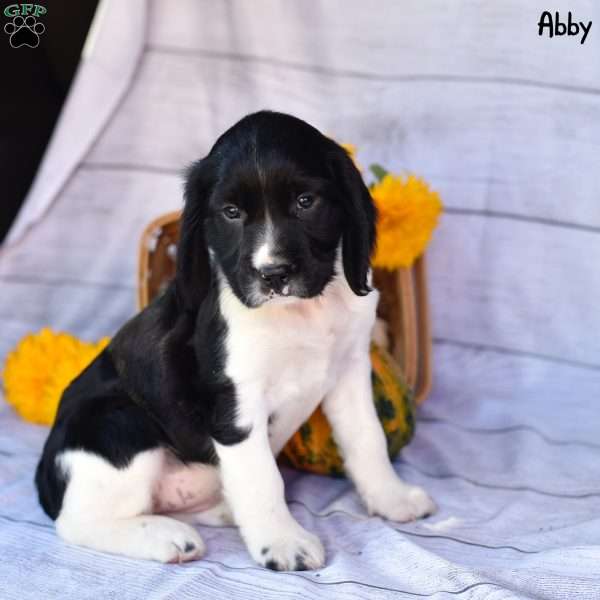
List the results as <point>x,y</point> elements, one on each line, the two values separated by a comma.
<point>360,216</point>
<point>193,272</point>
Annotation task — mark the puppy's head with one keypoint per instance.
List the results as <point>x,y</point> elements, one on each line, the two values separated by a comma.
<point>269,207</point>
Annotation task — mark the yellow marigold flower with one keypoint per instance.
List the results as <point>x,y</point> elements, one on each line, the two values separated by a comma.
<point>40,368</point>
<point>408,213</point>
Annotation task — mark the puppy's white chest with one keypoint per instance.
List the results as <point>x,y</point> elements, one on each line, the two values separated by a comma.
<point>284,359</point>
<point>303,373</point>
<point>288,361</point>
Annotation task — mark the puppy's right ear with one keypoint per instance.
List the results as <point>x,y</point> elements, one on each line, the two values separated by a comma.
<point>193,273</point>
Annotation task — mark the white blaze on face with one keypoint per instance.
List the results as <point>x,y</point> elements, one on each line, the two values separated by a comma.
<point>263,255</point>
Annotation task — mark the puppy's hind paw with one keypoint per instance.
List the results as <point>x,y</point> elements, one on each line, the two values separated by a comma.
<point>171,541</point>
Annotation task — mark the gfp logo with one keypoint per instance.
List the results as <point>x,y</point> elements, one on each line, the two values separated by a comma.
<point>24,29</point>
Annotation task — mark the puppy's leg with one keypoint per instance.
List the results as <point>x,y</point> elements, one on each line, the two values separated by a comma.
<point>107,508</point>
<point>360,437</point>
<point>253,488</point>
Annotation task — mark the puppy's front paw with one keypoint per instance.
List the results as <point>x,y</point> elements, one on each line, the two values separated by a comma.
<point>289,548</point>
<point>402,503</point>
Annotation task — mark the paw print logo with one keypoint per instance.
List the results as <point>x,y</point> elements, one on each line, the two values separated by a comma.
<point>24,31</point>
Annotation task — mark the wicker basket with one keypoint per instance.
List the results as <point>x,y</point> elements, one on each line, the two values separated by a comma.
<point>402,305</point>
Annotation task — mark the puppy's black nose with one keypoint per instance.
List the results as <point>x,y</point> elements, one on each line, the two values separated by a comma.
<point>276,276</point>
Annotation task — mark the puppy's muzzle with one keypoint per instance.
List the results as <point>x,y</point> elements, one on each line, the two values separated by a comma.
<point>277,276</point>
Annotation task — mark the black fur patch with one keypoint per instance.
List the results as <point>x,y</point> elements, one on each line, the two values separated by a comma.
<point>273,565</point>
<point>300,564</point>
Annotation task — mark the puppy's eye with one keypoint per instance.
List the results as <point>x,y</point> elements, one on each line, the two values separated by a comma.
<point>305,201</point>
<point>232,212</point>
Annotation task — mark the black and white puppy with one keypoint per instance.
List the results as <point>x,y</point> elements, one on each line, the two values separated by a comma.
<point>179,420</point>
